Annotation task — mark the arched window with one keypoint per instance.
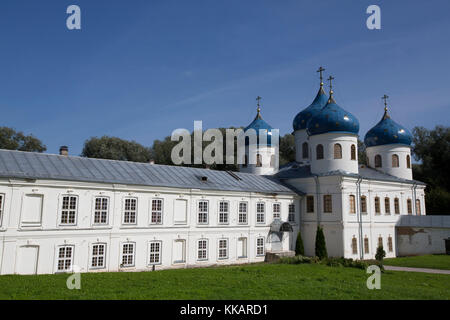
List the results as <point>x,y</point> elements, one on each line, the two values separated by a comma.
<point>390,246</point>
<point>378,163</point>
<point>377,205</point>
<point>352,204</point>
<point>258,160</point>
<point>387,206</point>
<point>354,245</point>
<point>395,163</point>
<point>366,245</point>
<point>305,150</point>
<point>409,205</point>
<point>408,161</point>
<point>319,152</point>
<point>396,206</point>
<point>353,152</point>
<point>337,151</point>
<point>363,204</point>
<point>418,211</point>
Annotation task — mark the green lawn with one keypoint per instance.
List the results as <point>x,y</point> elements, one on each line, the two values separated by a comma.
<point>436,261</point>
<point>258,281</point>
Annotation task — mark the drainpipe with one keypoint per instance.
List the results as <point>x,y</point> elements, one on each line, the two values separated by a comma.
<point>359,217</point>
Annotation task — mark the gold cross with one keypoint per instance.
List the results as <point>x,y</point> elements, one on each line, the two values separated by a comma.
<point>258,99</point>
<point>321,70</point>
<point>331,78</point>
<point>385,97</point>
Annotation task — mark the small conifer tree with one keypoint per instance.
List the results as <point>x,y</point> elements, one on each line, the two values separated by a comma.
<point>299,249</point>
<point>380,254</point>
<point>321,248</point>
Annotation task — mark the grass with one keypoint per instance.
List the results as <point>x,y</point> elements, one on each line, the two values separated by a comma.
<point>258,281</point>
<point>436,261</point>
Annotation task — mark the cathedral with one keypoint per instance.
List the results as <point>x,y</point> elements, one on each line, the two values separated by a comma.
<point>60,213</point>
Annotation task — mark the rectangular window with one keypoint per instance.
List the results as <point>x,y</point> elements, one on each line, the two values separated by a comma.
<point>354,246</point>
<point>69,210</point>
<point>260,246</point>
<point>327,203</point>
<point>202,251</point>
<point>65,258</point>
<point>157,207</point>
<point>276,211</point>
<point>309,204</point>
<point>129,212</point>
<point>387,206</point>
<point>223,248</point>
<point>366,245</point>
<point>409,205</point>
<point>418,208</point>
<point>390,247</point>
<point>223,212</point>
<point>363,204</point>
<point>202,212</point>
<point>260,212</point>
<point>352,204</point>
<point>242,247</point>
<point>154,252</point>
<point>243,212</point>
<point>101,210</point>
<point>32,209</point>
<point>180,211</point>
<point>396,206</point>
<point>291,217</point>
<point>377,205</point>
<point>128,254</point>
<point>98,255</point>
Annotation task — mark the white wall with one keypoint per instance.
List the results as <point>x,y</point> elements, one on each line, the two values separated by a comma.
<point>386,152</point>
<point>300,137</point>
<point>270,161</point>
<point>22,241</point>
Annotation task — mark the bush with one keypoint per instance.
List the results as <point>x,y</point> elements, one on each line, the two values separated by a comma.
<point>299,249</point>
<point>321,248</point>
<point>380,254</point>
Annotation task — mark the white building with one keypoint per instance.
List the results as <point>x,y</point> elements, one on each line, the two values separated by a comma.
<point>59,211</point>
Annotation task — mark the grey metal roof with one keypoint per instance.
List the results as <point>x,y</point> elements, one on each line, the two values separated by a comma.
<point>295,170</point>
<point>424,221</point>
<point>18,164</point>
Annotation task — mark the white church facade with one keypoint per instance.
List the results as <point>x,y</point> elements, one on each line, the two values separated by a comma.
<point>61,211</point>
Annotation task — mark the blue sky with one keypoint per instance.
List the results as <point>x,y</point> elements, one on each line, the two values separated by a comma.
<point>140,69</point>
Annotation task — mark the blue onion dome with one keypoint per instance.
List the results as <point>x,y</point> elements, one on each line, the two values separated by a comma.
<point>301,119</point>
<point>259,124</point>
<point>332,118</point>
<point>387,131</point>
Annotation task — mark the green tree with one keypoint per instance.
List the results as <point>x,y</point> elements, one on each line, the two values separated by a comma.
<point>432,149</point>
<point>287,149</point>
<point>380,254</point>
<point>321,247</point>
<point>10,139</point>
<point>116,149</point>
<point>362,157</point>
<point>299,249</point>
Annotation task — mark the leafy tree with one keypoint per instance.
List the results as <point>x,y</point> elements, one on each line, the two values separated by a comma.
<point>299,249</point>
<point>287,149</point>
<point>116,149</point>
<point>362,157</point>
<point>321,247</point>
<point>432,149</point>
<point>380,254</point>
<point>10,139</point>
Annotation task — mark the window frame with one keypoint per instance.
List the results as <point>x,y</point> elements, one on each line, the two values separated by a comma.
<point>390,244</point>
<point>319,152</point>
<point>61,209</point>
<point>409,206</point>
<point>396,205</point>
<point>310,198</point>
<point>377,206</point>
<point>395,161</point>
<point>203,250</point>
<point>278,214</point>
<point>354,245</point>
<point>378,161</point>
<point>352,204</point>
<point>259,162</point>
<point>221,214</point>
<point>327,203</point>
<point>363,201</point>
<point>337,151</point>
<point>158,213</point>
<point>124,214</point>
<point>122,254</point>
<point>418,208</point>
<point>366,245</point>
<point>65,258</point>
<point>154,253</point>
<point>203,214</point>
<point>92,255</point>
<point>259,214</point>
<point>260,246</point>
<point>243,213</point>
<point>219,248</point>
<point>387,205</point>
<point>246,247</point>
<point>305,150</point>
<point>353,152</point>
<point>101,210</point>
<point>291,212</point>
<point>408,161</point>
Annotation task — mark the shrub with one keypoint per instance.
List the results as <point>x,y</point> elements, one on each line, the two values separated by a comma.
<point>380,254</point>
<point>321,248</point>
<point>299,249</point>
